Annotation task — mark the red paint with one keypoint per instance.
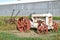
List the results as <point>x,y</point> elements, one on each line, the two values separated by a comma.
<point>55,25</point>
<point>23,24</point>
<point>42,28</point>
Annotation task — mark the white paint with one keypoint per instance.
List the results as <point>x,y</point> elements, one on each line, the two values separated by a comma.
<point>34,23</point>
<point>47,20</point>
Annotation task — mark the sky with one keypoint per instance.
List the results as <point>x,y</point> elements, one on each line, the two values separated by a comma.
<point>2,1</point>
<point>18,1</point>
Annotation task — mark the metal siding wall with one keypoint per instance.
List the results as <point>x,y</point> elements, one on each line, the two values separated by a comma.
<point>29,8</point>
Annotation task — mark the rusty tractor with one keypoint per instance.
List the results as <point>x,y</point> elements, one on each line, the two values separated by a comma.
<point>42,26</point>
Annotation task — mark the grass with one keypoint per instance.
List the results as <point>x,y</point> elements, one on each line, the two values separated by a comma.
<point>5,26</point>
<point>56,18</point>
<point>8,36</point>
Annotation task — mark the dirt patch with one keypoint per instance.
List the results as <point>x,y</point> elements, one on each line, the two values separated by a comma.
<point>24,34</point>
<point>31,33</point>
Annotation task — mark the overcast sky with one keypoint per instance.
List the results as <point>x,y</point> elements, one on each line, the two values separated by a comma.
<point>19,1</point>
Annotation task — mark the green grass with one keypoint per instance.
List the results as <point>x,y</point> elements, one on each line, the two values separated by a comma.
<point>56,18</point>
<point>8,36</point>
<point>5,26</point>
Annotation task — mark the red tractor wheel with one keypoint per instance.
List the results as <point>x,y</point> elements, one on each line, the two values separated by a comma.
<point>23,24</point>
<point>26,24</point>
<point>46,29</point>
<point>20,25</point>
<point>40,29</point>
<point>55,25</point>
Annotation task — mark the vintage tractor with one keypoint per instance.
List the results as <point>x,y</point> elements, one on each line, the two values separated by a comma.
<point>42,22</point>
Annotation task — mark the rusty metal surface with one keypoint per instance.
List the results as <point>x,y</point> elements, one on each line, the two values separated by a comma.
<point>23,24</point>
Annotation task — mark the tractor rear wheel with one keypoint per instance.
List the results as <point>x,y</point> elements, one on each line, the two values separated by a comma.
<point>23,24</point>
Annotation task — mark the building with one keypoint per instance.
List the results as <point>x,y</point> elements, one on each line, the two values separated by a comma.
<point>26,9</point>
